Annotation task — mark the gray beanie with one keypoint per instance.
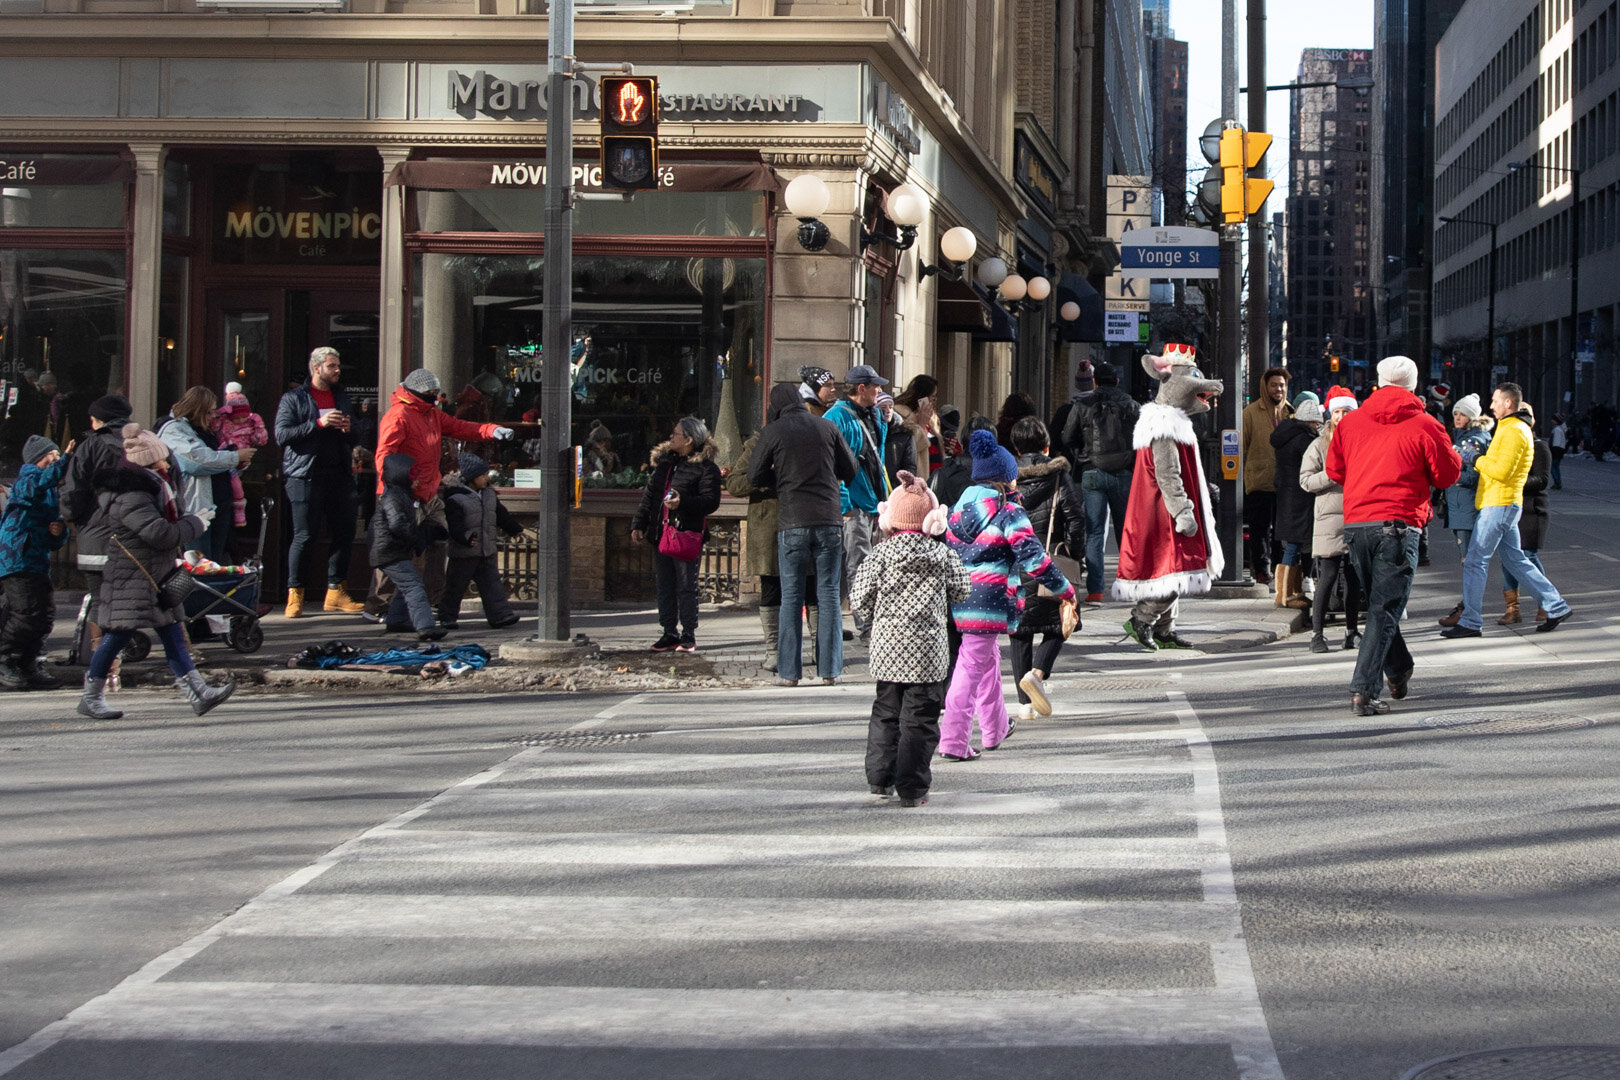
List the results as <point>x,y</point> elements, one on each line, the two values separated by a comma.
<point>422,382</point>
<point>36,447</point>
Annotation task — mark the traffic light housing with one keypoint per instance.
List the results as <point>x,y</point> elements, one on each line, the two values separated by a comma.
<point>630,132</point>
<point>1333,363</point>
<point>1242,195</point>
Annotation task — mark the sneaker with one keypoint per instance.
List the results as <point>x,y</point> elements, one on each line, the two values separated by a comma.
<point>1352,640</point>
<point>449,624</point>
<point>849,635</point>
<point>1026,712</point>
<point>1397,684</point>
<point>920,800</point>
<point>511,620</point>
<point>1552,622</point>
<point>884,792</point>
<point>971,755</point>
<point>1012,726</point>
<point>827,681</point>
<point>432,634</point>
<point>787,682</point>
<point>1461,631</point>
<point>666,643</point>
<point>12,677</point>
<point>372,616</point>
<point>687,643</point>
<point>1032,685</point>
<point>1362,705</point>
<point>1318,643</point>
<point>1094,597</point>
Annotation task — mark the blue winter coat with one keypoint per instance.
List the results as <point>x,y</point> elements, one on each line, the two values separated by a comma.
<point>992,535</point>
<point>1460,511</point>
<point>26,542</point>
<point>862,493</point>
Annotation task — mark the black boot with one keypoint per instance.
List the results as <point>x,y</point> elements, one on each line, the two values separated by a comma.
<point>37,678</point>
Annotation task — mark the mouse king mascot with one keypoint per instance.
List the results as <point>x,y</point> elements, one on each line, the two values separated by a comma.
<point>1169,548</point>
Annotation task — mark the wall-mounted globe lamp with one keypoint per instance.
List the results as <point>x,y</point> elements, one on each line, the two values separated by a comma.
<point>806,198</point>
<point>1039,289</point>
<point>1069,311</point>
<point>956,247</point>
<point>992,272</point>
<point>1014,288</point>
<point>906,206</point>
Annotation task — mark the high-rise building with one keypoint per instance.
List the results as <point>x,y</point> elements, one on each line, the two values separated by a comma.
<point>1167,68</point>
<point>1330,221</point>
<point>1156,18</point>
<point>1405,33</point>
<point>1526,154</point>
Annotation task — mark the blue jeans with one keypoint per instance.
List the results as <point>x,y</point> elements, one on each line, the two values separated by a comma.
<point>1511,582</point>
<point>410,602</point>
<point>1291,553</point>
<point>1497,529</point>
<point>1104,494</point>
<point>801,553</point>
<point>1385,563</point>
<point>113,642</point>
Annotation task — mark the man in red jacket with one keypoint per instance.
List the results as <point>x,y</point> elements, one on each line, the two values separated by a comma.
<point>415,426</point>
<point>1387,455</point>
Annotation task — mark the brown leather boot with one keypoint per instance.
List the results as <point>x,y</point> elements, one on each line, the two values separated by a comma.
<point>338,599</point>
<point>1284,582</point>
<point>295,603</point>
<point>1541,614</point>
<point>1453,617</point>
<point>1510,597</point>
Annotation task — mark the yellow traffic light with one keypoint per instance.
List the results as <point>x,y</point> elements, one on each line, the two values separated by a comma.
<point>1333,363</point>
<point>1241,195</point>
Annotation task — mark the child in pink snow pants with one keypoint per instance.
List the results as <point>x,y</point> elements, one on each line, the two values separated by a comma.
<point>992,535</point>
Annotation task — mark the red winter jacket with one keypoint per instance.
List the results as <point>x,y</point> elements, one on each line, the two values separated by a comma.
<point>414,427</point>
<point>1387,455</point>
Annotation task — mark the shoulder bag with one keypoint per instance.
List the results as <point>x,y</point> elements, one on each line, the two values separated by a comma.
<point>679,544</point>
<point>176,585</point>
<point>1070,567</point>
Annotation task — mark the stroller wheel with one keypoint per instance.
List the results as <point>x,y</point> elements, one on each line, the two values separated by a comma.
<point>139,647</point>
<point>245,635</point>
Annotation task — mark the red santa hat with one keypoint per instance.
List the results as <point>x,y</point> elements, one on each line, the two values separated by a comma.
<point>1340,398</point>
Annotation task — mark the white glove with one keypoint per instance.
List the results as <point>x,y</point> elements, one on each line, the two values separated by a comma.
<point>1186,523</point>
<point>205,515</point>
<point>503,433</point>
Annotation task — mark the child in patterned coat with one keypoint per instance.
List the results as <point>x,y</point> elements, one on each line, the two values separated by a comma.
<point>902,589</point>
<point>997,544</point>
<point>238,428</point>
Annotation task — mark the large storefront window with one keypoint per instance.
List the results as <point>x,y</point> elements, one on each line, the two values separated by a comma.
<point>655,339</point>
<point>61,314</point>
<point>665,213</point>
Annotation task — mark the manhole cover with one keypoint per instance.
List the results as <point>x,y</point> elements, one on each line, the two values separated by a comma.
<point>1505,723</point>
<point>1526,1063</point>
<point>577,738</point>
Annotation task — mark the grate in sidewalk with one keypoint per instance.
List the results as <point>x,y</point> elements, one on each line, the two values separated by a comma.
<point>1506,723</point>
<point>578,738</point>
<point>1525,1063</point>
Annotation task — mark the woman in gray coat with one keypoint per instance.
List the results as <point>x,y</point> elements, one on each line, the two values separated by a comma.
<point>146,529</point>
<point>1327,534</point>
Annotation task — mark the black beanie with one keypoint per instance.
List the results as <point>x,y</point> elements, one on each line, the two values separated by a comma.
<point>110,407</point>
<point>472,467</point>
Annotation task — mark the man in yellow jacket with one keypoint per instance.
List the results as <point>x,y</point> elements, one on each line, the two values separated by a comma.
<point>1502,472</point>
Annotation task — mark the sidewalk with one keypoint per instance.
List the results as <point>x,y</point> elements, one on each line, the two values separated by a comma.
<point>729,640</point>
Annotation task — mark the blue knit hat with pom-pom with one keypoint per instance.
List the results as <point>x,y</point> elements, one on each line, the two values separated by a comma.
<point>991,462</point>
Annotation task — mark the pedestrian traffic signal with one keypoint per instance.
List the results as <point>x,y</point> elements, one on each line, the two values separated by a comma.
<point>629,132</point>
<point>1241,195</point>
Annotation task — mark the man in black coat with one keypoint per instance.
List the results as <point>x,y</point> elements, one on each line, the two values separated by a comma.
<point>803,459</point>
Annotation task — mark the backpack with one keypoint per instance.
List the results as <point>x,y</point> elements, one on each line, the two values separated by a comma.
<point>1108,435</point>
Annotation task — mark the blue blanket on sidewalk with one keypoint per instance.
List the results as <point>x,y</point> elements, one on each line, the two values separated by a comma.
<point>474,656</point>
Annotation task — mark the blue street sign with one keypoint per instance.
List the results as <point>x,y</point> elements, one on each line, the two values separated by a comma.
<point>1170,252</point>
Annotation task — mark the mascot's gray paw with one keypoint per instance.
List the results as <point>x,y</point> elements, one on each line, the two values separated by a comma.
<point>1186,523</point>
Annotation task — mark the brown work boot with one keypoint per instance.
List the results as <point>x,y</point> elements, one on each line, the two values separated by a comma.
<point>1453,618</point>
<point>1510,597</point>
<point>295,603</point>
<point>338,599</point>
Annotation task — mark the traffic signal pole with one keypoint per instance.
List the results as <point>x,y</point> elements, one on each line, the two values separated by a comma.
<point>1229,406</point>
<point>1259,250</point>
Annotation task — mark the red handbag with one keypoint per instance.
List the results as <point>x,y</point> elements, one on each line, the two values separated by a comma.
<point>677,543</point>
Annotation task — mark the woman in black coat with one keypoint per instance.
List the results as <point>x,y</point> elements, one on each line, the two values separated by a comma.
<point>683,490</point>
<point>1296,507</point>
<point>146,530</point>
<point>1045,488</point>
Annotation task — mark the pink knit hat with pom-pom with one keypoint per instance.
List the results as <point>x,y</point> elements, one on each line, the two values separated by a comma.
<point>912,508</point>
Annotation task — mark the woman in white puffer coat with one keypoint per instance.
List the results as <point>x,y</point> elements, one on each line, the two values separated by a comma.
<point>1327,533</point>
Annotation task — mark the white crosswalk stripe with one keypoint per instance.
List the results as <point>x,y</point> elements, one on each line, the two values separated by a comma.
<point>718,888</point>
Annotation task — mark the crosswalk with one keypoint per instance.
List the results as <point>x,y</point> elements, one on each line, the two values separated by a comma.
<point>719,897</point>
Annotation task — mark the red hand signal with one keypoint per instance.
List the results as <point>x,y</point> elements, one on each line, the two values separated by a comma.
<point>631,103</point>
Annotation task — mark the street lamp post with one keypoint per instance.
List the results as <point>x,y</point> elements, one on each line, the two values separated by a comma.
<point>1568,378</point>
<point>1490,303</point>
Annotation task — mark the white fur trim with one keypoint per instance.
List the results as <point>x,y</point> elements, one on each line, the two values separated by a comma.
<point>1161,422</point>
<point>1341,403</point>
<point>1184,583</point>
<point>1217,557</point>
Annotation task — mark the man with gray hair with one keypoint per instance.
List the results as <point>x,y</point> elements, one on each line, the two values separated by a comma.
<point>314,431</point>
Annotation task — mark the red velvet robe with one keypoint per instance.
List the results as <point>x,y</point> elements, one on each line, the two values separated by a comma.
<point>1156,562</point>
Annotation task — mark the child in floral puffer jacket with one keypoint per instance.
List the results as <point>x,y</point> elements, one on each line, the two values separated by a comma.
<point>996,542</point>
<point>238,428</point>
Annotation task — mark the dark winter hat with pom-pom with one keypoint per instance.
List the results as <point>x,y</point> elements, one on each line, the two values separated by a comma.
<point>991,462</point>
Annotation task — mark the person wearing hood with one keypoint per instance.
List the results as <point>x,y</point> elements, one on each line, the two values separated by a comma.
<point>99,449</point>
<point>1387,455</point>
<point>147,527</point>
<point>1504,470</point>
<point>475,514</point>
<point>904,589</point>
<point>396,539</point>
<point>1472,436</point>
<point>1327,536</point>
<point>30,529</point>
<point>992,535</point>
<point>317,443</point>
<point>1296,507</point>
<point>682,491</point>
<point>236,425</point>
<point>1047,490</point>
<point>804,461</point>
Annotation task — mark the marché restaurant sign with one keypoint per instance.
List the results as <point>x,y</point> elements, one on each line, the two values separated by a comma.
<point>480,94</point>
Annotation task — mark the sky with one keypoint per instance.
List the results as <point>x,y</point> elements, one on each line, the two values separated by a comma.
<point>1291,27</point>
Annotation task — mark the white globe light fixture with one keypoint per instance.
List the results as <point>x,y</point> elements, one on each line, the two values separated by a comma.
<point>906,205</point>
<point>958,244</point>
<point>807,198</point>
<point>1069,311</point>
<point>1014,288</point>
<point>992,272</point>
<point>1039,288</point>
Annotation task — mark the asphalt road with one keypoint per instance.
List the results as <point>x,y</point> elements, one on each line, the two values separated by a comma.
<point>1200,867</point>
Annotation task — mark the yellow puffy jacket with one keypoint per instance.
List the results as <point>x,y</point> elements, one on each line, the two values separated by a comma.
<point>1504,468</point>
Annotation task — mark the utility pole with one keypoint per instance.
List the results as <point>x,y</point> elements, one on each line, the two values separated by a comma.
<point>1229,406</point>
<point>554,572</point>
<point>1259,250</point>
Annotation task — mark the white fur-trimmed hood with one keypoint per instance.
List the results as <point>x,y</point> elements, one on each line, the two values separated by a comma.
<point>1162,422</point>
